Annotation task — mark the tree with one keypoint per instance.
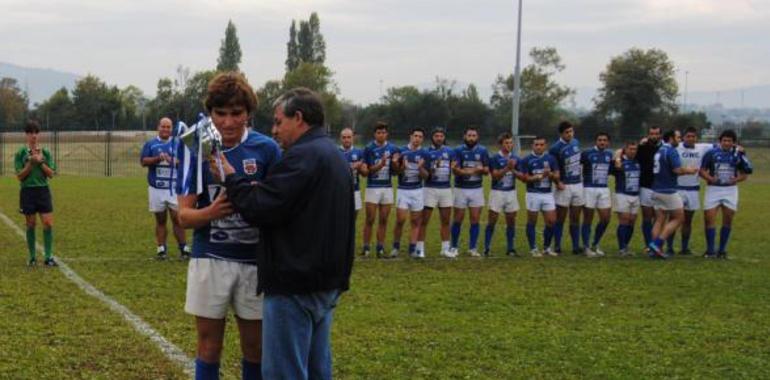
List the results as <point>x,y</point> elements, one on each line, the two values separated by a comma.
<point>292,48</point>
<point>57,112</point>
<point>317,40</point>
<point>637,87</point>
<point>230,50</point>
<point>541,95</point>
<point>13,104</point>
<point>96,104</point>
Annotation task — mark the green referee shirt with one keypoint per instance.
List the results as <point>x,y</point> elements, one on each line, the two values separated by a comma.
<point>36,177</point>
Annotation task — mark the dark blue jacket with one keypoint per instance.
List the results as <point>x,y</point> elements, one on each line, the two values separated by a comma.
<point>304,207</point>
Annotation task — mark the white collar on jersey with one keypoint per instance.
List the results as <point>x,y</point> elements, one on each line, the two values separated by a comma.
<point>410,147</point>
<point>243,139</point>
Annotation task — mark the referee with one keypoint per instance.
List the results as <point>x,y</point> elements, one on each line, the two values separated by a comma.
<point>34,166</point>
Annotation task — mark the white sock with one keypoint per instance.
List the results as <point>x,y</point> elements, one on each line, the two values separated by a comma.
<point>444,245</point>
<point>161,248</point>
<point>421,246</point>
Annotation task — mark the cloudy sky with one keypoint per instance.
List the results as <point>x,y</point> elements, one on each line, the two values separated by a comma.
<point>723,44</point>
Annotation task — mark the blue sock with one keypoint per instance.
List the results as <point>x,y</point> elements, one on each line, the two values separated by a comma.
<point>396,245</point>
<point>475,229</point>
<point>547,236</point>
<point>658,243</point>
<point>670,243</point>
<point>510,234</point>
<point>456,227</point>
<point>182,248</point>
<point>647,231</point>
<point>206,371</point>
<point>724,236</point>
<point>711,237</point>
<point>574,233</point>
<point>412,247</point>
<point>251,371</point>
<point>620,234</point>
<point>586,233</point>
<point>629,234</point>
<point>380,247</point>
<point>685,242</point>
<point>531,236</point>
<point>488,237</point>
<point>558,230</point>
<point>600,228</point>
<point>366,247</point>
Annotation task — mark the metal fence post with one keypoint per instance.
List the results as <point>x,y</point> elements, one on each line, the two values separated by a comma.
<point>2,153</point>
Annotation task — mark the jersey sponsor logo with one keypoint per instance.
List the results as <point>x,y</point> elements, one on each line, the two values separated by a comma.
<point>250,166</point>
<point>478,157</point>
<point>354,157</point>
<point>445,155</point>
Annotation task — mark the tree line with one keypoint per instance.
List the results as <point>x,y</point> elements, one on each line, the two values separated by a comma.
<point>638,89</point>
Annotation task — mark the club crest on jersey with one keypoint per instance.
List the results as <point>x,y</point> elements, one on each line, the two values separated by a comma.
<point>250,166</point>
<point>478,157</point>
<point>355,157</point>
<point>445,155</point>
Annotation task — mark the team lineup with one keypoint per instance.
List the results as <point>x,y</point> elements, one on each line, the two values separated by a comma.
<point>659,175</point>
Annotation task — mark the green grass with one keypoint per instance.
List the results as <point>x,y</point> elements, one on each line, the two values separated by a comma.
<point>566,317</point>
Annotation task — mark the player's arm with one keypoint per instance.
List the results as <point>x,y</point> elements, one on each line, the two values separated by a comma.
<point>190,217</point>
<point>422,164</point>
<point>24,172</point>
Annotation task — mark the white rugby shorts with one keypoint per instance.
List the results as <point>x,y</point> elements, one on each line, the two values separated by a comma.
<point>668,202</point>
<point>721,196</point>
<point>464,198</point>
<point>645,197</point>
<point>379,195</point>
<point>161,200</point>
<point>691,199</point>
<point>626,204</point>
<point>441,198</point>
<point>540,202</point>
<point>503,201</point>
<point>598,198</point>
<point>213,285</point>
<point>357,199</point>
<point>572,195</point>
<point>410,199</point>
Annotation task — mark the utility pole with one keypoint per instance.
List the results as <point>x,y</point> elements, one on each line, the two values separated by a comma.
<point>517,87</point>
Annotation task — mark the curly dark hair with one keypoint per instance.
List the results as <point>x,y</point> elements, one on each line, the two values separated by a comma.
<point>230,89</point>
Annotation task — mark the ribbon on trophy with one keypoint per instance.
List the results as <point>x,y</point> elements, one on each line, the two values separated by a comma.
<point>202,138</point>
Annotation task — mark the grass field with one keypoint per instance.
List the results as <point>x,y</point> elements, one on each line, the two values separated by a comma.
<point>566,317</point>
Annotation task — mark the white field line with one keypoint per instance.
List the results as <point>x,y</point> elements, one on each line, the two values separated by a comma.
<point>171,351</point>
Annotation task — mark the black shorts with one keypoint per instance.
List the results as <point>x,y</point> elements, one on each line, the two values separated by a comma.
<point>33,200</point>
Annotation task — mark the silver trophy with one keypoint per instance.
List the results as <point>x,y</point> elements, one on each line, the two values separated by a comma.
<point>202,138</point>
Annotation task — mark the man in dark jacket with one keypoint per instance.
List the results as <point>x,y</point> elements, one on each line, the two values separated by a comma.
<point>304,207</point>
<point>646,157</point>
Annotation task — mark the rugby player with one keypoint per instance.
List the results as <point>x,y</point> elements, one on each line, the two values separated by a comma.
<point>34,166</point>
<point>569,192</point>
<point>409,199</point>
<point>502,196</point>
<point>539,171</point>
<point>646,157</point>
<point>223,267</point>
<point>722,168</point>
<point>157,157</point>
<point>472,165</point>
<point>691,154</point>
<point>596,168</point>
<point>355,157</point>
<point>441,162</point>
<point>379,155</point>
<point>626,171</point>
<point>669,208</point>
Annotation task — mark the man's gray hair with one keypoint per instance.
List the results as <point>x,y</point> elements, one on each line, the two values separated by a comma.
<point>304,101</point>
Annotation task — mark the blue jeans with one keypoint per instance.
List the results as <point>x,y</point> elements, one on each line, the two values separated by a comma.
<point>296,332</point>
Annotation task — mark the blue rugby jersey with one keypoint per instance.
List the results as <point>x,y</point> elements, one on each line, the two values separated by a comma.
<point>627,177</point>
<point>159,175</point>
<point>354,155</point>
<point>470,158</point>
<point>410,178</point>
<point>229,238</point>
<point>567,155</point>
<point>533,165</point>
<point>372,155</point>
<point>439,165</point>
<point>666,159</point>
<point>725,165</point>
<point>596,167</point>
<point>499,161</point>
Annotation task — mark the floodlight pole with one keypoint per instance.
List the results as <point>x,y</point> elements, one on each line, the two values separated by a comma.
<point>517,88</point>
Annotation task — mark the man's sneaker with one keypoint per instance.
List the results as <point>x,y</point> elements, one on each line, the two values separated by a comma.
<point>597,251</point>
<point>722,255</point>
<point>453,252</point>
<point>686,252</point>
<point>184,256</point>
<point>577,251</point>
<point>447,254</point>
<point>381,253</point>
<point>656,252</point>
<point>670,252</point>
<point>365,252</point>
<point>419,255</point>
<point>487,253</point>
<point>558,251</point>
<point>474,252</point>
<point>709,255</point>
<point>50,262</point>
<point>32,263</point>
<point>161,255</point>
<point>512,253</point>
<point>393,253</point>
<point>535,252</point>
<point>625,253</point>
<point>590,252</point>
<point>549,252</point>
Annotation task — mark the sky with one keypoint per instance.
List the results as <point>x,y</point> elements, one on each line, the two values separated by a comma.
<point>723,45</point>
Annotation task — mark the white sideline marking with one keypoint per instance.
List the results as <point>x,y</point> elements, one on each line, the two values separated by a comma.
<point>171,351</point>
